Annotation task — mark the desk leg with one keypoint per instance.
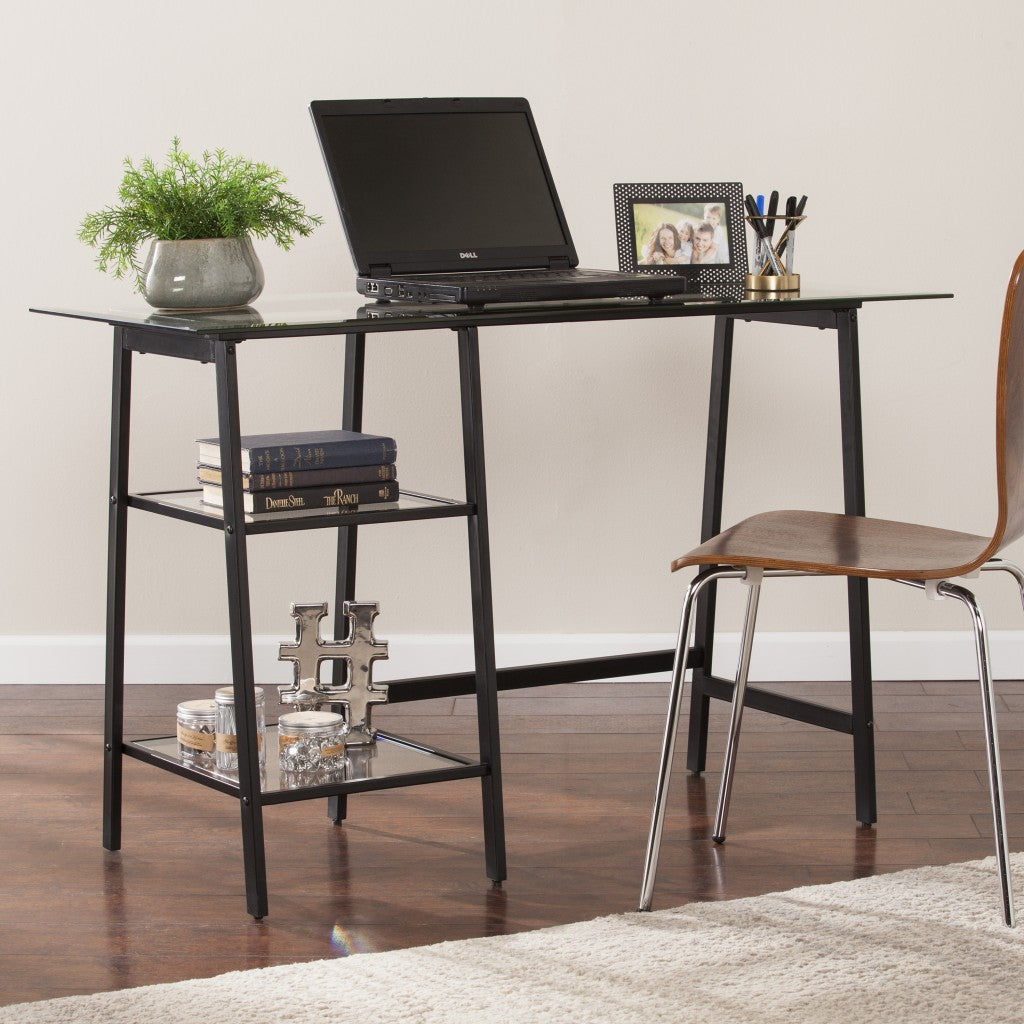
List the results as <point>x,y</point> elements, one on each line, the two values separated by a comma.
<point>711,524</point>
<point>857,589</point>
<point>483,613</point>
<point>240,621</point>
<point>345,578</point>
<point>113,758</point>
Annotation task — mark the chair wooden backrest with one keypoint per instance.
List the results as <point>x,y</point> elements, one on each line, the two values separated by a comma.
<point>1010,416</point>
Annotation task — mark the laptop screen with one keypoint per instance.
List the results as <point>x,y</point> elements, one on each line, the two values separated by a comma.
<point>423,188</point>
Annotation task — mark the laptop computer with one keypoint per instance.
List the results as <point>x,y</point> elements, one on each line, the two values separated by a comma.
<point>452,200</point>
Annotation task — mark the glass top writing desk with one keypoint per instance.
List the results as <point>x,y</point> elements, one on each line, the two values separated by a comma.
<point>214,337</point>
<point>346,312</point>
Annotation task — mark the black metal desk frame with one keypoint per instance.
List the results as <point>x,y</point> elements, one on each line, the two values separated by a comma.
<point>190,339</point>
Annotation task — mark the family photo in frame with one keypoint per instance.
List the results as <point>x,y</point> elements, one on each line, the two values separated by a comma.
<point>694,230</point>
<point>669,234</point>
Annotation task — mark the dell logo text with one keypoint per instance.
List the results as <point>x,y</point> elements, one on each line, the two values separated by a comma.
<point>468,256</point>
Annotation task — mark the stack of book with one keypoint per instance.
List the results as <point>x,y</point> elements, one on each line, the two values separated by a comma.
<point>306,471</point>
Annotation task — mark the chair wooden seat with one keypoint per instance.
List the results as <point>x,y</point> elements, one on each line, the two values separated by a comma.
<point>824,542</point>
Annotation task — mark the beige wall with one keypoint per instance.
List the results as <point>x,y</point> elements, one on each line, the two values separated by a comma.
<point>902,122</point>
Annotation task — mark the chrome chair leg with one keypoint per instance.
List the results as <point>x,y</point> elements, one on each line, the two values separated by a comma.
<point>668,745</point>
<point>991,740</point>
<point>753,580</point>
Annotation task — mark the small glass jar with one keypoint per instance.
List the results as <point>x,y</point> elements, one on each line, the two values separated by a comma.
<point>227,733</point>
<point>197,725</point>
<point>311,741</point>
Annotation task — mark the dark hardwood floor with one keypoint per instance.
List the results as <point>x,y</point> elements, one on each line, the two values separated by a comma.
<point>407,866</point>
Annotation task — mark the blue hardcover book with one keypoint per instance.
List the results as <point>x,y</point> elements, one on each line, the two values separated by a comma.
<point>304,449</point>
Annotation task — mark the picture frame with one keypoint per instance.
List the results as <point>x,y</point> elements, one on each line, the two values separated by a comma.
<point>651,219</point>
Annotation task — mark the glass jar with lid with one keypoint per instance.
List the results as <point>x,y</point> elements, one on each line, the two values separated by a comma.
<point>311,741</point>
<point>227,733</point>
<point>197,726</point>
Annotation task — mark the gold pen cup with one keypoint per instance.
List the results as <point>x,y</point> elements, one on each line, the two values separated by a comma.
<point>771,266</point>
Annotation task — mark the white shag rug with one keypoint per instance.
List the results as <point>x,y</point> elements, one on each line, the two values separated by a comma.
<point>925,946</point>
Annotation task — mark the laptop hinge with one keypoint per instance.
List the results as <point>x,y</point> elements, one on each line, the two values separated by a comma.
<point>560,263</point>
<point>380,270</point>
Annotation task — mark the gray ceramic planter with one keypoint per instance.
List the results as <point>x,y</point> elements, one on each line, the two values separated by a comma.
<point>202,273</point>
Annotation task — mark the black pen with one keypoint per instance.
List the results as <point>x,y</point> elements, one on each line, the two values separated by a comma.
<point>790,213</point>
<point>755,216</point>
<point>761,232</point>
<point>798,211</point>
<point>773,209</point>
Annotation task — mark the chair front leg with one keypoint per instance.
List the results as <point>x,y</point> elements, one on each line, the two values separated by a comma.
<point>753,580</point>
<point>991,741</point>
<point>668,745</point>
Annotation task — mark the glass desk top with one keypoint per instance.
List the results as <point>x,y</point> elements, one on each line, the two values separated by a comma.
<point>349,312</point>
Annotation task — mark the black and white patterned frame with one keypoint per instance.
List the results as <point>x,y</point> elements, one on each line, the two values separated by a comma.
<point>730,193</point>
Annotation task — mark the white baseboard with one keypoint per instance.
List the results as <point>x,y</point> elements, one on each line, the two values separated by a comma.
<point>777,656</point>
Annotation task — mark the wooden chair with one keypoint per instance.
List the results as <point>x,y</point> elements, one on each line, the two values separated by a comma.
<point>797,543</point>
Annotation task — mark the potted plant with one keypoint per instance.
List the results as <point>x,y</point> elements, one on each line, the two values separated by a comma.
<point>200,216</point>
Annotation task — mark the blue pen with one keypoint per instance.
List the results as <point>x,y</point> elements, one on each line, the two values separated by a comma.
<point>760,205</point>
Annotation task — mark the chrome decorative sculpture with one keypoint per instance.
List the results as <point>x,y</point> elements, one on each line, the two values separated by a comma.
<point>360,649</point>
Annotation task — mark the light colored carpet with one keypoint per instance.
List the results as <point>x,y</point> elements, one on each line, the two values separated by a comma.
<point>923,946</point>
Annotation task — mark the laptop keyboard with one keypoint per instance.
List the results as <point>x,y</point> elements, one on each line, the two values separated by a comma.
<point>526,276</point>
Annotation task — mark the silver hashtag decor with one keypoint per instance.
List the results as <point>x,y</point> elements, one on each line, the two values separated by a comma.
<point>360,649</point>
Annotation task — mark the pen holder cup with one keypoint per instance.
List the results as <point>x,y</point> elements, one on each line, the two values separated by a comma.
<point>767,275</point>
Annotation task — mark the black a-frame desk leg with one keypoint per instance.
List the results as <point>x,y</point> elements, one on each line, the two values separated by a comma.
<point>480,579</point>
<point>249,790</point>
<point>345,579</point>
<point>711,524</point>
<point>113,739</point>
<point>483,613</point>
<point>860,724</point>
<point>857,589</point>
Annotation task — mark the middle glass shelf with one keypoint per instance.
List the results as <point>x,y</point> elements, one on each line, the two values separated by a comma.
<point>189,506</point>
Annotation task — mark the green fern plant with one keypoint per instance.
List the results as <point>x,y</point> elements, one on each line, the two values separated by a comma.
<point>217,196</point>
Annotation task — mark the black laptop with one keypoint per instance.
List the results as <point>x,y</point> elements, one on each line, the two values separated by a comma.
<point>452,200</point>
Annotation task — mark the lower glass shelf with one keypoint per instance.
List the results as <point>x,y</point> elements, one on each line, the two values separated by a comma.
<point>389,763</point>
